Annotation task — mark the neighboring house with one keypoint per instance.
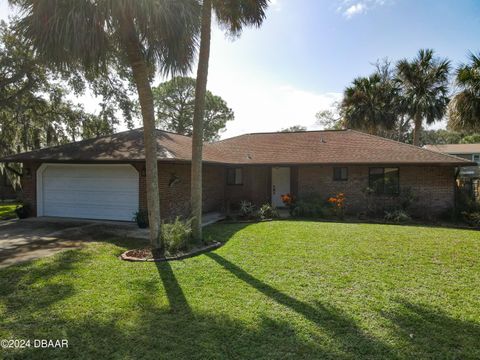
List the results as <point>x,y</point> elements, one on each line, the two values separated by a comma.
<point>465,151</point>
<point>469,176</point>
<point>104,178</point>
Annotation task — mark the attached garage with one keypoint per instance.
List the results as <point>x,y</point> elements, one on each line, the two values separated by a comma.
<point>106,192</point>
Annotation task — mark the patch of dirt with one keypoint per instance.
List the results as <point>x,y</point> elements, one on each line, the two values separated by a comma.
<point>149,254</point>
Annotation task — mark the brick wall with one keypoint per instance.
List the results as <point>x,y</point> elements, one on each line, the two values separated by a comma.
<point>434,187</point>
<point>255,187</point>
<point>29,185</point>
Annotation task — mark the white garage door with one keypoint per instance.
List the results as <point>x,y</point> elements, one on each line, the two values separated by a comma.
<point>108,192</point>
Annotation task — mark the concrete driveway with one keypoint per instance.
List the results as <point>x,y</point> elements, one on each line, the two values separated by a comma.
<point>23,240</point>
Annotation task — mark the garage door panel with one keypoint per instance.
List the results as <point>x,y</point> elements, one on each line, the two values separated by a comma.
<point>107,192</point>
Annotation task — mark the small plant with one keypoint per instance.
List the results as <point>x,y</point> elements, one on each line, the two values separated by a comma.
<point>338,203</point>
<point>247,209</point>
<point>310,205</point>
<point>472,218</point>
<point>397,216</point>
<point>289,201</point>
<point>141,218</point>
<point>267,211</point>
<point>23,211</point>
<point>407,198</point>
<point>176,235</point>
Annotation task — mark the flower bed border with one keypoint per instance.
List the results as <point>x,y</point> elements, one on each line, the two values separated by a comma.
<point>196,251</point>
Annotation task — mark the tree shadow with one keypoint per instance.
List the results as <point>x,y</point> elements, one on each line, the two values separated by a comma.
<point>176,297</point>
<point>344,330</point>
<point>223,232</point>
<point>426,332</point>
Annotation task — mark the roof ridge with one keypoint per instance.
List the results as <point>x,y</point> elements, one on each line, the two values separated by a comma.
<point>410,145</point>
<point>77,142</point>
<point>281,132</point>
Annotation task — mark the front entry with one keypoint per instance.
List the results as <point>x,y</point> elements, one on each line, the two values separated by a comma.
<point>280,184</point>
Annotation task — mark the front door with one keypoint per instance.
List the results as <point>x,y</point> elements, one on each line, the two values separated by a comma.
<point>280,184</point>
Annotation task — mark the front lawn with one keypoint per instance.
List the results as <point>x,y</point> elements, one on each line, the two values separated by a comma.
<point>276,290</point>
<point>7,211</point>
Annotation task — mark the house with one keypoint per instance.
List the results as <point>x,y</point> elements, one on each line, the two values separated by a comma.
<point>104,178</point>
<point>468,176</point>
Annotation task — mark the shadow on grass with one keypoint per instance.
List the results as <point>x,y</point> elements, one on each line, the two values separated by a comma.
<point>356,221</point>
<point>342,329</point>
<point>176,297</point>
<point>426,332</point>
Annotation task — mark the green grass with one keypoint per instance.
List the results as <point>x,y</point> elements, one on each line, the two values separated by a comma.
<point>276,290</point>
<point>7,211</point>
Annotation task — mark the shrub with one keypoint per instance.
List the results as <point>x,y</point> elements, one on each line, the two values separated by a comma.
<point>407,198</point>
<point>23,211</point>
<point>311,205</point>
<point>267,211</point>
<point>472,218</point>
<point>141,218</point>
<point>247,209</point>
<point>397,216</point>
<point>176,235</point>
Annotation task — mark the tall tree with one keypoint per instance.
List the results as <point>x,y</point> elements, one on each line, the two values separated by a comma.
<point>175,103</point>
<point>97,35</point>
<point>34,110</point>
<point>424,86</point>
<point>232,15</point>
<point>464,109</point>
<point>294,128</point>
<point>370,104</point>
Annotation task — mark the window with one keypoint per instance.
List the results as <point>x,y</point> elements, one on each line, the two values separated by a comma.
<point>234,176</point>
<point>384,181</point>
<point>476,158</point>
<point>340,174</point>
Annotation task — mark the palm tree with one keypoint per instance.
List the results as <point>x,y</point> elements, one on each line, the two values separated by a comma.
<point>96,35</point>
<point>233,15</point>
<point>424,85</point>
<point>370,104</point>
<point>464,109</point>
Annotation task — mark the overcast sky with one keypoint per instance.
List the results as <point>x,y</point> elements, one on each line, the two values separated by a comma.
<point>307,51</point>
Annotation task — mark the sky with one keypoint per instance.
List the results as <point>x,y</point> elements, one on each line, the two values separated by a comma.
<point>307,51</point>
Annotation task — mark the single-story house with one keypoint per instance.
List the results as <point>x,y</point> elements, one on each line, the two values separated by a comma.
<point>104,178</point>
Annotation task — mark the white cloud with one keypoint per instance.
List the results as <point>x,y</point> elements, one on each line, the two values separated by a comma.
<point>351,8</point>
<point>355,9</point>
<point>265,107</point>
<point>275,5</point>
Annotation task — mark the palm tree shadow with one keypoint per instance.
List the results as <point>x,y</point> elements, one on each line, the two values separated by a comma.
<point>176,297</point>
<point>348,334</point>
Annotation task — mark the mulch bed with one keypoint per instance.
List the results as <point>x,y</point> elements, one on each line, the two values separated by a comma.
<point>147,254</point>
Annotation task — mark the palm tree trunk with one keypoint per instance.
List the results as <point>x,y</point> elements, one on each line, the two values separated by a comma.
<point>141,76</point>
<point>197,136</point>
<point>417,130</point>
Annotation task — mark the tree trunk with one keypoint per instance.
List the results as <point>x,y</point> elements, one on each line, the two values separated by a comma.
<point>197,136</point>
<point>142,81</point>
<point>417,130</point>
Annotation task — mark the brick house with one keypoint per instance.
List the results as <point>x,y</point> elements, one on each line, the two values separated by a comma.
<point>104,178</point>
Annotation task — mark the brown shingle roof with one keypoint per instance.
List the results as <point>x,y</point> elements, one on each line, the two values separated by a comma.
<point>455,148</point>
<point>326,147</point>
<point>310,147</point>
